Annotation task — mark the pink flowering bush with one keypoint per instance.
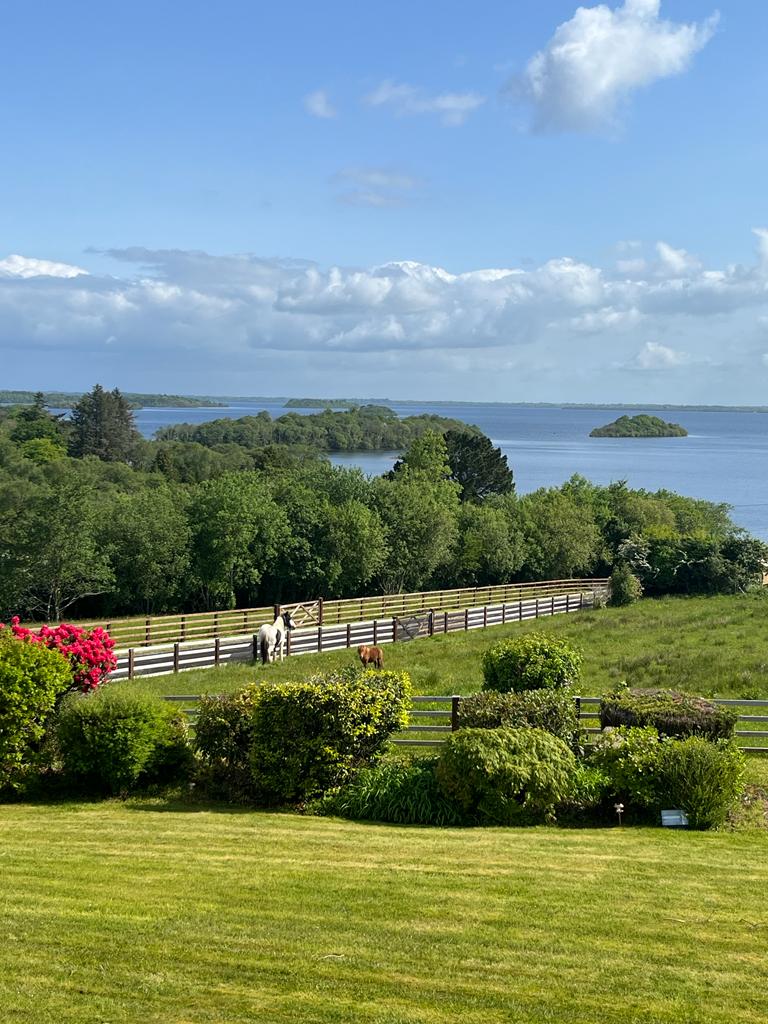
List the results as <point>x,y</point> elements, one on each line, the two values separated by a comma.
<point>89,653</point>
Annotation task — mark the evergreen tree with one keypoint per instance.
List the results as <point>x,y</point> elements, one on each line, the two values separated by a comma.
<point>103,425</point>
<point>478,467</point>
<point>34,422</point>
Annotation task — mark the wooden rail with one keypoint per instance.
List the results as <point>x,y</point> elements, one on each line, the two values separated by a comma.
<point>177,657</point>
<point>158,630</point>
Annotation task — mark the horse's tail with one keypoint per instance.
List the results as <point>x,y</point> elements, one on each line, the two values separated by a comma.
<point>264,650</point>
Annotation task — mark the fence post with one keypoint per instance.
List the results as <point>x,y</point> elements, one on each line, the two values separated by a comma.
<point>552,605</point>
<point>455,701</point>
<point>288,644</point>
<point>503,613</point>
<point>216,624</point>
<point>394,629</point>
<point>255,647</point>
<point>431,625</point>
<point>147,631</point>
<point>349,633</point>
<point>276,610</point>
<point>320,611</point>
<point>175,657</point>
<point>581,599</point>
<point>578,714</point>
<point>216,651</point>
<point>445,622</point>
<point>466,619</point>
<point>537,607</point>
<point>375,632</point>
<point>130,663</point>
<point>319,639</point>
<point>485,616</point>
<point>183,627</point>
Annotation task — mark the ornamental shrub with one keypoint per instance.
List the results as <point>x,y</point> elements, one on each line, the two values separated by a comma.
<point>89,652</point>
<point>551,710</point>
<point>669,712</point>
<point>401,790</point>
<point>626,588</point>
<point>701,778</point>
<point>113,741</point>
<point>506,776</point>
<point>533,661</point>
<point>223,733</point>
<point>630,758</point>
<point>308,737</point>
<point>31,680</point>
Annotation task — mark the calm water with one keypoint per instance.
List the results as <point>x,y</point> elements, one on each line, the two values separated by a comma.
<point>723,459</point>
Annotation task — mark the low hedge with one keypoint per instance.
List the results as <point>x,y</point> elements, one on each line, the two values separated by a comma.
<point>223,734</point>
<point>669,712</point>
<point>534,661</point>
<point>551,710</point>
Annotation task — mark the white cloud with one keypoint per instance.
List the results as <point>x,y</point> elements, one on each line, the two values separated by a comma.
<point>24,267</point>
<point>318,104</point>
<point>453,108</point>
<point>653,356</point>
<point>675,262</point>
<point>595,61</point>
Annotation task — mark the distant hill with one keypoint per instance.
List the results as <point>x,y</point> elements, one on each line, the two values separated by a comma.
<point>66,399</point>
<point>639,426</point>
<point>322,403</point>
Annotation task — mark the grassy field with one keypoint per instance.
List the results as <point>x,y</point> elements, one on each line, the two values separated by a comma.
<point>131,912</point>
<point>715,646</point>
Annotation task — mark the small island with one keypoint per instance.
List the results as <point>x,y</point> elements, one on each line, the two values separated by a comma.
<point>639,426</point>
<point>321,403</point>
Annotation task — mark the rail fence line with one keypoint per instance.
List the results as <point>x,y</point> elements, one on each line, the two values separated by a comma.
<point>179,657</point>
<point>165,630</point>
<point>436,721</point>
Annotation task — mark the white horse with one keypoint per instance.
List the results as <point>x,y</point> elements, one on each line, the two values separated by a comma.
<point>272,638</point>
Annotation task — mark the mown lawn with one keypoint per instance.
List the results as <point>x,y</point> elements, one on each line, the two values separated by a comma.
<point>716,646</point>
<point>131,912</point>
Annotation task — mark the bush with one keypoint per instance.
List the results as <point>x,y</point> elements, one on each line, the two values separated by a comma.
<point>554,711</point>
<point>701,778</point>
<point>308,737</point>
<point>89,652</point>
<point>669,712</point>
<point>530,662</point>
<point>223,734</point>
<point>626,588</point>
<point>630,760</point>
<point>31,680</point>
<point>506,776</point>
<point>113,741</point>
<point>402,790</point>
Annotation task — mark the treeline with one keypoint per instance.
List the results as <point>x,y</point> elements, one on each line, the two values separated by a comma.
<point>137,400</point>
<point>90,536</point>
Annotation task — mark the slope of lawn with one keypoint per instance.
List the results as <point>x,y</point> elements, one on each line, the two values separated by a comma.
<point>714,646</point>
<point>152,912</point>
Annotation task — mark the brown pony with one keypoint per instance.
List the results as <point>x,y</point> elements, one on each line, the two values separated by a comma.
<point>371,656</point>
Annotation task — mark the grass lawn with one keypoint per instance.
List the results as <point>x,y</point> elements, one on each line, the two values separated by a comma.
<point>714,646</point>
<point>154,912</point>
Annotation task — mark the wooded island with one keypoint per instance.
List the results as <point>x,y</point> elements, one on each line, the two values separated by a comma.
<point>639,426</point>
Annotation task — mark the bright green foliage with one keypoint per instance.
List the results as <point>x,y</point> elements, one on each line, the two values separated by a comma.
<point>31,679</point>
<point>531,662</point>
<point>669,712</point>
<point>223,733</point>
<point>113,741</point>
<point>702,778</point>
<point>631,759</point>
<point>626,588</point>
<point>506,776</point>
<point>400,790</point>
<point>307,737</point>
<point>554,711</point>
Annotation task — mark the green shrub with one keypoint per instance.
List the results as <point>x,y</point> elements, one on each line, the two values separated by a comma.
<point>587,800</point>
<point>309,737</point>
<point>32,677</point>
<point>554,711</point>
<point>113,741</point>
<point>630,759</point>
<point>701,778</point>
<point>223,734</point>
<point>669,712</point>
<point>400,790</point>
<point>626,588</point>
<point>506,776</point>
<point>534,661</point>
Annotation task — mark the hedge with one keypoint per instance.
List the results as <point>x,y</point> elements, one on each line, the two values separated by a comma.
<point>551,710</point>
<point>669,712</point>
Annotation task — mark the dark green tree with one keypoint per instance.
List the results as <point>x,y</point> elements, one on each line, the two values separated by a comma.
<point>34,422</point>
<point>477,466</point>
<point>103,425</point>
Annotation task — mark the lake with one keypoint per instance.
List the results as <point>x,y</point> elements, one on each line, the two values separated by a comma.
<point>723,458</point>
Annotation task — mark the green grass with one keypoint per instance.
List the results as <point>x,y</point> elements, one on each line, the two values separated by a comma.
<point>152,912</point>
<point>715,646</point>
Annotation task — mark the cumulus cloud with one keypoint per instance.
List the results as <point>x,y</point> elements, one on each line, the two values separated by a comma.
<point>453,108</point>
<point>654,356</point>
<point>318,104</point>
<point>22,266</point>
<point>594,62</point>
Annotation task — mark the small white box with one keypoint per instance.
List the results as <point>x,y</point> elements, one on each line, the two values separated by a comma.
<point>674,819</point>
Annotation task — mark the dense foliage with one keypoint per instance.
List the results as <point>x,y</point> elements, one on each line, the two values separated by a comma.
<point>669,712</point>
<point>506,776</point>
<point>534,661</point>
<point>639,426</point>
<point>310,736</point>
<point>32,678</point>
<point>554,711</point>
<point>223,734</point>
<point>116,740</point>
<point>626,588</point>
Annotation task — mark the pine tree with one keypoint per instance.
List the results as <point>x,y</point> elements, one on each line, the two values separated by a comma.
<point>103,425</point>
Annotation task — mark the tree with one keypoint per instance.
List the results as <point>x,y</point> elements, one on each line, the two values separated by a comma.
<point>478,467</point>
<point>34,422</point>
<point>561,538</point>
<point>103,425</point>
<point>489,548</point>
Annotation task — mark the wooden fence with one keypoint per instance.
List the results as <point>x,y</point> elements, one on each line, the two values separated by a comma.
<point>164,630</point>
<point>316,639</point>
<point>431,718</point>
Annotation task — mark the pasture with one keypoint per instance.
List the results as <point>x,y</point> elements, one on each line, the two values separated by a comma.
<point>181,914</point>
<point>713,646</point>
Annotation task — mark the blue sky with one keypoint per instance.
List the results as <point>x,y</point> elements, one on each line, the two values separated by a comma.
<point>517,200</point>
